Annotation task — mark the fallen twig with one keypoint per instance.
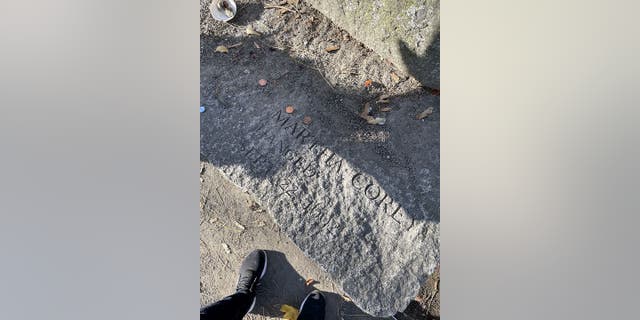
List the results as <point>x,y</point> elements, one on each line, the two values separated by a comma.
<point>280,76</point>
<point>273,6</point>
<point>320,72</point>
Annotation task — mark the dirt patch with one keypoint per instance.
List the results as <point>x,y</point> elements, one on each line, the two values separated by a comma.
<point>305,35</point>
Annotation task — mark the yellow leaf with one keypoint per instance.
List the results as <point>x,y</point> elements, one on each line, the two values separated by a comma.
<point>222,49</point>
<point>290,313</point>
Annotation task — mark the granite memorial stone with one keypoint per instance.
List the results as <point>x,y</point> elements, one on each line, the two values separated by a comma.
<point>361,200</point>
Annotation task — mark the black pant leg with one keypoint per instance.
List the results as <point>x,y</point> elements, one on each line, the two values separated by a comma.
<point>233,307</point>
<point>311,315</point>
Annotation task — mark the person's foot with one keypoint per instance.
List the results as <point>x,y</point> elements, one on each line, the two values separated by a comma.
<point>251,271</point>
<point>312,307</point>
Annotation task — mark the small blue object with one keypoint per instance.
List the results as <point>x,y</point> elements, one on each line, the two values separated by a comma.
<point>202,109</point>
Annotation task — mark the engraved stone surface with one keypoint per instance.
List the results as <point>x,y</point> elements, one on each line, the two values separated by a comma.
<point>361,200</point>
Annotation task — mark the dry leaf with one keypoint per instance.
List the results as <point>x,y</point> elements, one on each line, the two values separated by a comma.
<point>234,45</point>
<point>306,120</point>
<point>309,282</point>
<point>241,227</point>
<point>385,109</point>
<point>346,298</point>
<point>386,60</point>
<point>222,49</point>
<point>424,114</point>
<point>368,83</point>
<point>262,82</point>
<point>435,92</point>
<point>283,11</point>
<point>256,45</point>
<point>383,99</point>
<point>372,120</point>
<point>290,313</point>
<point>332,48</point>
<point>251,31</point>
<point>366,109</point>
<point>289,109</point>
<point>394,77</point>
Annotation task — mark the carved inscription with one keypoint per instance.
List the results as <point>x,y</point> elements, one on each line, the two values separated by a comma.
<point>380,199</point>
<point>323,160</point>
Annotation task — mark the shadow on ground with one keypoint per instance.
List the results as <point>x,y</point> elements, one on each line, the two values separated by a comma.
<point>380,151</point>
<point>282,284</point>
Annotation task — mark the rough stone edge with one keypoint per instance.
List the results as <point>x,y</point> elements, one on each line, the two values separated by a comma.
<point>405,302</point>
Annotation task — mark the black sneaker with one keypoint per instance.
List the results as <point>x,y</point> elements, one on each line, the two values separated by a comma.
<point>312,307</point>
<point>251,271</point>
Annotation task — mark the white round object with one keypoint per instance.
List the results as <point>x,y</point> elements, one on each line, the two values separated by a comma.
<point>223,10</point>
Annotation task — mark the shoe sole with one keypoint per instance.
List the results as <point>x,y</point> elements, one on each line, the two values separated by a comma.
<point>264,270</point>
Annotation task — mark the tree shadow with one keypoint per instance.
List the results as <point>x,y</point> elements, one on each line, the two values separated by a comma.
<point>248,11</point>
<point>424,67</point>
<point>396,155</point>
